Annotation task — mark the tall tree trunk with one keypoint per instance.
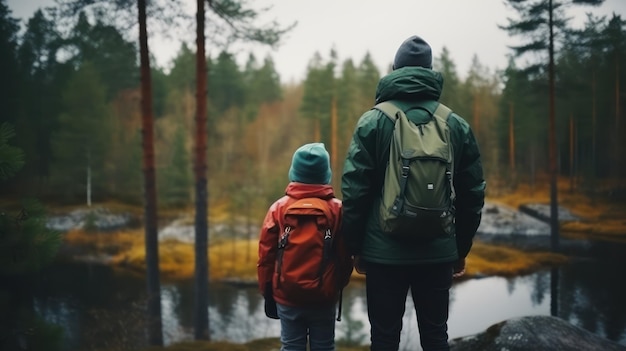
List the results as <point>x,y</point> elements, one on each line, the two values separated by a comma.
<point>533,169</point>
<point>155,332</point>
<point>476,113</point>
<point>511,141</point>
<point>333,139</point>
<point>554,207</point>
<point>88,179</point>
<point>317,131</point>
<point>618,164</point>
<point>201,312</point>
<point>572,140</point>
<point>594,142</point>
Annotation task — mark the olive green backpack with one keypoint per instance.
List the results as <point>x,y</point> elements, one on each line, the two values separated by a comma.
<point>418,192</point>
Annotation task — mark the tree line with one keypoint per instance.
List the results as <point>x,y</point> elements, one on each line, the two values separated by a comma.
<point>587,98</point>
<point>74,101</point>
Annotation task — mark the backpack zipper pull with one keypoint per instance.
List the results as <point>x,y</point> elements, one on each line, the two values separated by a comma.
<point>283,238</point>
<point>419,126</point>
<point>327,235</point>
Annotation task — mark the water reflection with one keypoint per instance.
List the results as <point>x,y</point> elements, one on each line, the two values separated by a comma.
<point>98,305</point>
<point>244,319</point>
<point>95,305</point>
<point>598,305</point>
<point>477,304</point>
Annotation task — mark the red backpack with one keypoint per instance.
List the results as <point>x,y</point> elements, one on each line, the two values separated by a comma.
<point>309,267</point>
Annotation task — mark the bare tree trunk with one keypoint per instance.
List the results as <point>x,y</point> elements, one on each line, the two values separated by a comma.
<point>618,164</point>
<point>155,331</point>
<point>511,140</point>
<point>572,176</point>
<point>333,139</point>
<point>317,136</point>
<point>533,169</point>
<point>88,179</point>
<point>476,113</point>
<point>554,209</point>
<point>201,312</point>
<point>594,117</point>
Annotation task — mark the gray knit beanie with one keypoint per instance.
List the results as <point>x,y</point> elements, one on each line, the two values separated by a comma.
<point>413,52</point>
<point>310,164</point>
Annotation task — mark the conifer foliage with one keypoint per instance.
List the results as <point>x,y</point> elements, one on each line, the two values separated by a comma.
<point>26,245</point>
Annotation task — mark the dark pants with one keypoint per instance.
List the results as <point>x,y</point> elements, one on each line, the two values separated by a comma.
<point>387,287</point>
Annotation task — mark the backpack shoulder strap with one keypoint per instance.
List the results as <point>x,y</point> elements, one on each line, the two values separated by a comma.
<point>388,109</point>
<point>442,112</point>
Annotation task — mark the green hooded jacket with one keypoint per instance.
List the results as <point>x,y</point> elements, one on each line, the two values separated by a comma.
<point>416,91</point>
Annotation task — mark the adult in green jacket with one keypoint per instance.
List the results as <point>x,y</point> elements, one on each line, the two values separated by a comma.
<point>392,265</point>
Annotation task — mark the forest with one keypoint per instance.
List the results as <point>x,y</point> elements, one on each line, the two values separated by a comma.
<point>73,97</point>
<point>73,132</point>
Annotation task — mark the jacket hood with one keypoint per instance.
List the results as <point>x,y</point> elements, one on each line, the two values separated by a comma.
<point>302,190</point>
<point>410,83</point>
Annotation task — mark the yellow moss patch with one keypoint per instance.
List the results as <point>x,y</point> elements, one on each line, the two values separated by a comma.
<point>237,258</point>
<point>219,212</point>
<point>598,216</point>
<point>504,261</point>
<point>176,259</point>
<point>522,194</point>
<point>608,229</point>
<point>105,242</point>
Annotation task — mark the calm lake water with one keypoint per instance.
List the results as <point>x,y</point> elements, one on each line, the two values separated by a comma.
<point>96,305</point>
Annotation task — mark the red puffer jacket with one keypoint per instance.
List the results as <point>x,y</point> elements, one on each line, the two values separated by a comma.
<point>271,231</point>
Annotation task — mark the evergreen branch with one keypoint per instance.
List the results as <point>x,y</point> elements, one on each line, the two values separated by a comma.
<point>11,158</point>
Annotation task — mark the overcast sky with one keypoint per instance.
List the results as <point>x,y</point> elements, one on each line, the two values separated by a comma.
<point>354,27</point>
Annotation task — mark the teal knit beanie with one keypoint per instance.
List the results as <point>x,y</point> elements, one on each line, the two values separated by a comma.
<point>310,164</point>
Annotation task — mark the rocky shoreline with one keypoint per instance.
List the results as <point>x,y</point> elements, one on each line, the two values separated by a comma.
<point>497,220</point>
<point>527,228</point>
<point>537,333</point>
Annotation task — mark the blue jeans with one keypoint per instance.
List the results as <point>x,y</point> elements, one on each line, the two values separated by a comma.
<point>387,287</point>
<point>298,323</point>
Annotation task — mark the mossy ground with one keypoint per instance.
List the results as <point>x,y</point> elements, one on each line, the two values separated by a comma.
<point>599,218</point>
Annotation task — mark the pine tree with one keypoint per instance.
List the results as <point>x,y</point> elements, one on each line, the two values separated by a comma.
<point>80,145</point>
<point>26,246</point>
<point>176,178</point>
<point>541,21</point>
<point>452,93</point>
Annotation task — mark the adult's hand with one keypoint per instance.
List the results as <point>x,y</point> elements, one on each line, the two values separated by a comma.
<point>359,265</point>
<point>458,268</point>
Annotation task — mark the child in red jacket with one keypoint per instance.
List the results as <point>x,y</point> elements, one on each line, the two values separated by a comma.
<point>303,264</point>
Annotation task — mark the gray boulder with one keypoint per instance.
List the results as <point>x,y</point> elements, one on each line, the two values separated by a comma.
<point>536,333</point>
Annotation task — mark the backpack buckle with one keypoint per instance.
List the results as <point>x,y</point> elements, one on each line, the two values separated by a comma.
<point>405,171</point>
